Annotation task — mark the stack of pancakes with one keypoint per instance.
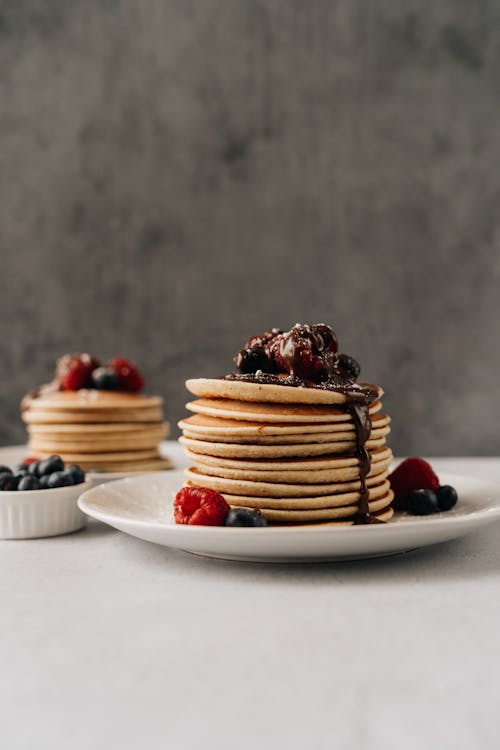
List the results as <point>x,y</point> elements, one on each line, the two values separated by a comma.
<point>99,430</point>
<point>291,452</point>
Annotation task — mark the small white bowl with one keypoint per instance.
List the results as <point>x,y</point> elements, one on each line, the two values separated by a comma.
<point>28,514</point>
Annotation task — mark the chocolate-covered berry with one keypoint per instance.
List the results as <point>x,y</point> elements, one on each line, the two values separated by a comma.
<point>251,360</point>
<point>446,497</point>
<point>348,366</point>
<point>29,482</point>
<point>422,502</point>
<point>245,517</point>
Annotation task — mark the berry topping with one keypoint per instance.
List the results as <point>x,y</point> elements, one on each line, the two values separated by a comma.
<point>309,352</point>
<point>5,470</point>
<point>446,497</point>
<point>74,371</point>
<point>422,502</point>
<point>305,352</point>
<point>29,482</point>
<point>348,366</point>
<point>200,506</point>
<point>245,517</point>
<point>411,474</point>
<point>251,360</point>
<point>8,481</point>
<point>129,377</point>
<point>105,379</point>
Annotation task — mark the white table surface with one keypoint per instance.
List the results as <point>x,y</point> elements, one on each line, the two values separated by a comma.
<point>110,642</point>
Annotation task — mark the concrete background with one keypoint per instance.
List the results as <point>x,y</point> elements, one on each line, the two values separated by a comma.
<point>178,175</point>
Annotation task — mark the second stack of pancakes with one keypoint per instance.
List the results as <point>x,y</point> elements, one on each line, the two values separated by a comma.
<point>108,431</point>
<point>296,462</point>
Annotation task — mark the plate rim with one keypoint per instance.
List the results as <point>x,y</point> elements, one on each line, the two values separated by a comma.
<point>431,522</point>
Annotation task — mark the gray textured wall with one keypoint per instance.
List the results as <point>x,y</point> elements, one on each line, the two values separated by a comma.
<point>176,175</point>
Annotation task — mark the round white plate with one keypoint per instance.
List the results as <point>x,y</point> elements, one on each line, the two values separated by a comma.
<point>142,507</point>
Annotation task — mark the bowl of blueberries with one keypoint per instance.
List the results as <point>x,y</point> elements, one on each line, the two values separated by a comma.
<point>38,498</point>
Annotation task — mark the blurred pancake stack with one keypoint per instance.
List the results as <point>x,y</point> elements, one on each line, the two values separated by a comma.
<point>296,436</point>
<point>95,416</point>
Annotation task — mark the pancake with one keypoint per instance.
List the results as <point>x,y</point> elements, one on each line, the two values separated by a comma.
<point>204,427</point>
<point>122,457</point>
<point>89,399</point>
<point>338,500</point>
<point>154,464</point>
<point>131,442</point>
<point>238,390</point>
<point>271,413</point>
<point>197,478</point>
<point>94,440</point>
<point>59,416</point>
<point>297,464</point>
<point>319,514</point>
<point>381,516</point>
<point>320,437</point>
<point>291,477</point>
<point>100,429</point>
<point>343,497</point>
<point>232,450</point>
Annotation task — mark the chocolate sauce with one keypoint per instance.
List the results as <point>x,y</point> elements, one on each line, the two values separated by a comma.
<point>359,409</point>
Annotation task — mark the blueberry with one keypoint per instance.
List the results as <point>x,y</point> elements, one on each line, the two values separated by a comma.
<point>59,479</point>
<point>76,472</point>
<point>22,468</point>
<point>349,366</point>
<point>28,482</point>
<point>44,482</point>
<point>446,497</point>
<point>105,379</point>
<point>245,517</point>
<point>50,465</point>
<point>422,502</point>
<point>5,470</point>
<point>7,481</point>
<point>34,468</point>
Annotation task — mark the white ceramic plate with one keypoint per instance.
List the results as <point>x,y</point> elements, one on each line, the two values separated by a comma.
<point>142,507</point>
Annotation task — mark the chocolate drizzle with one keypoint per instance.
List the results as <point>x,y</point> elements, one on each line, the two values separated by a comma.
<point>359,409</point>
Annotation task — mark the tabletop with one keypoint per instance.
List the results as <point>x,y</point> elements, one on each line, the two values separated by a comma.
<point>110,642</point>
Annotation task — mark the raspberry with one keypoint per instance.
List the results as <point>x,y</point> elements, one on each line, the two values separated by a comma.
<point>74,371</point>
<point>129,377</point>
<point>411,474</point>
<point>200,506</point>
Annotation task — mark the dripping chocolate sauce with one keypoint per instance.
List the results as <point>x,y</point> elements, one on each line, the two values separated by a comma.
<point>359,397</point>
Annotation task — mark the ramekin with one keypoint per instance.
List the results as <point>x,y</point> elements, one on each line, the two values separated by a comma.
<point>30,514</point>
